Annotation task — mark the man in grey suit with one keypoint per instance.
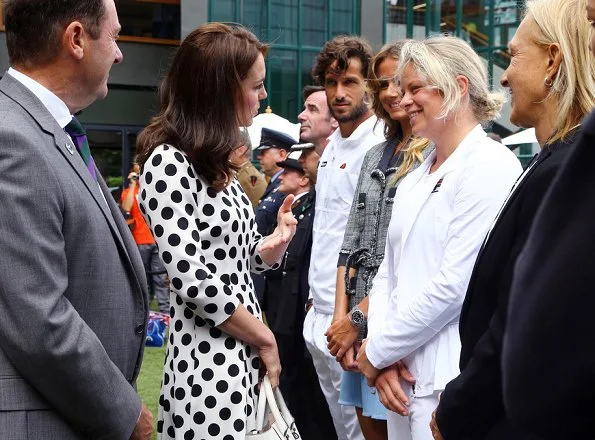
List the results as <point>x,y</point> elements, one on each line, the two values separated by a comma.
<point>73,299</point>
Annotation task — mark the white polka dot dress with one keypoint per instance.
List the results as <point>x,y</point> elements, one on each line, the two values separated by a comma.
<point>207,241</point>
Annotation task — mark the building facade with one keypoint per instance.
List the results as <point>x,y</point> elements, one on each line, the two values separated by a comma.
<point>296,31</point>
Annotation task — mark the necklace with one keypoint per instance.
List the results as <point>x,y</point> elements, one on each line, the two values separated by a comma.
<point>401,144</point>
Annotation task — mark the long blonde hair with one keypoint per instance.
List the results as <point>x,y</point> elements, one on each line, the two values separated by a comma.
<point>562,22</point>
<point>413,150</point>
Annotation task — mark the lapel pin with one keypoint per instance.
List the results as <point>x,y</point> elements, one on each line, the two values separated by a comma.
<point>70,148</point>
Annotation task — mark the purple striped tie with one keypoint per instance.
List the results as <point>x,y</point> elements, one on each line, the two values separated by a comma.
<point>79,137</point>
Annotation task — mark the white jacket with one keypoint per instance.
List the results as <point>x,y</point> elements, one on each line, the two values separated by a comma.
<point>438,224</point>
<point>338,171</point>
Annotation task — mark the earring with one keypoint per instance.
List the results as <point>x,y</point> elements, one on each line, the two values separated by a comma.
<point>548,82</point>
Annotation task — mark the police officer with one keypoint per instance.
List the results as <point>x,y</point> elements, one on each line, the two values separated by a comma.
<point>286,295</point>
<point>274,147</point>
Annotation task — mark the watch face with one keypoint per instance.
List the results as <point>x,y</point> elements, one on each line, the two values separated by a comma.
<point>358,318</point>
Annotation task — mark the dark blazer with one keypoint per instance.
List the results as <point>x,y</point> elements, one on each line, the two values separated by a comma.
<point>471,406</point>
<point>287,288</point>
<point>266,211</point>
<point>73,297</point>
<point>548,361</point>
<point>287,291</point>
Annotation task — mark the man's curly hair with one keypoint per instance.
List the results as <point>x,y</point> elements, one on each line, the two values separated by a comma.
<point>341,49</point>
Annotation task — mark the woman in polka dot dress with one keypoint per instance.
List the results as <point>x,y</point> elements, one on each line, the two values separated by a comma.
<point>204,226</point>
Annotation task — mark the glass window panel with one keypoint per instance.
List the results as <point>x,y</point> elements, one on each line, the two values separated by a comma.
<point>223,10</point>
<point>106,149</point>
<point>314,21</point>
<point>475,25</point>
<point>342,19</point>
<point>282,70</point>
<point>254,16</point>
<point>308,59</point>
<point>131,149</point>
<point>284,22</point>
<point>149,19</point>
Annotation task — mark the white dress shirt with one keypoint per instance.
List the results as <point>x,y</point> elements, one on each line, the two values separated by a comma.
<point>54,105</point>
<point>338,172</point>
<point>438,223</point>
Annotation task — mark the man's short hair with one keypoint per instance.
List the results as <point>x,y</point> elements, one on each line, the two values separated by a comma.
<point>310,89</point>
<point>34,27</point>
<point>341,49</point>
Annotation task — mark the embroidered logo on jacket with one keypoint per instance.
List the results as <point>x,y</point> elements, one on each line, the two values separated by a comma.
<point>438,185</point>
<point>343,166</point>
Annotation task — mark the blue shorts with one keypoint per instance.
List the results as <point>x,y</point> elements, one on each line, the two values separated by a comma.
<point>356,392</point>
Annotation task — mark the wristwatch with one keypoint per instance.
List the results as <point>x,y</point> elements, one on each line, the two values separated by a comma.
<point>357,317</point>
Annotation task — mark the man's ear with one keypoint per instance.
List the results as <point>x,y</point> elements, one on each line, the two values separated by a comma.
<point>74,39</point>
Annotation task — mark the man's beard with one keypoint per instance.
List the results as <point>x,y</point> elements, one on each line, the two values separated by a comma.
<point>357,113</point>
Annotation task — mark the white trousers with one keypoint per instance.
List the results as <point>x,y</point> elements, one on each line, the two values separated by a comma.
<point>415,426</point>
<point>329,375</point>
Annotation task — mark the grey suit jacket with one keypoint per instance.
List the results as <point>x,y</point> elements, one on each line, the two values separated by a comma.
<point>73,298</point>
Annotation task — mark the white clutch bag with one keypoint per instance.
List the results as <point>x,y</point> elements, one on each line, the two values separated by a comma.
<point>273,419</point>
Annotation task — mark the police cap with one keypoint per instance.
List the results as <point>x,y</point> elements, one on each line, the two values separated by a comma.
<point>274,139</point>
<point>291,164</point>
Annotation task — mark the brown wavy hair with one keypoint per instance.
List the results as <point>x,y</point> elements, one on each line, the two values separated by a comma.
<point>393,131</point>
<point>340,49</point>
<point>200,97</point>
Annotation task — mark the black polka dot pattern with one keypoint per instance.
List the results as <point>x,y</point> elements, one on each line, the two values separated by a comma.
<point>207,247</point>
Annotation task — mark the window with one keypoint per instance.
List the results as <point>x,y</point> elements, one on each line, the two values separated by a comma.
<point>296,30</point>
<point>145,21</point>
<point>154,21</point>
<point>487,26</point>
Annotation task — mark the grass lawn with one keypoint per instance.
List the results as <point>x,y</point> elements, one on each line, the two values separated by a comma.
<point>149,379</point>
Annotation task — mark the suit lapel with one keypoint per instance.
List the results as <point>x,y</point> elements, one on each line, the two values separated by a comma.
<point>32,105</point>
<point>123,233</point>
<point>268,190</point>
<point>516,190</point>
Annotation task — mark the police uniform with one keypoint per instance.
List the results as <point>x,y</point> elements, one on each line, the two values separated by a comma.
<point>268,206</point>
<point>272,199</point>
<point>286,294</point>
<point>253,182</point>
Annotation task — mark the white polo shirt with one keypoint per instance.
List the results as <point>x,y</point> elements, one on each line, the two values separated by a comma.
<point>338,172</point>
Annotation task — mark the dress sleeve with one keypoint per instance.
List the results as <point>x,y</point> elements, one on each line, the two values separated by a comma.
<point>168,200</point>
<point>257,264</point>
